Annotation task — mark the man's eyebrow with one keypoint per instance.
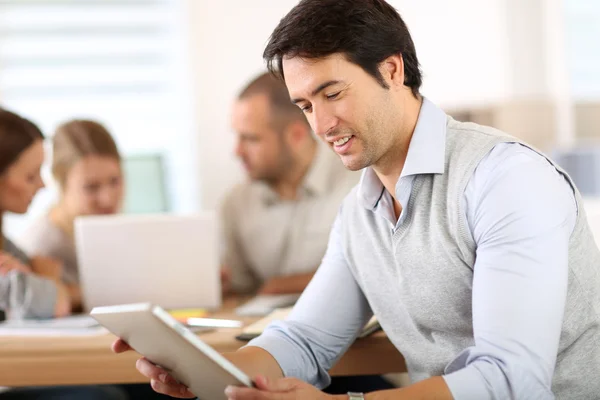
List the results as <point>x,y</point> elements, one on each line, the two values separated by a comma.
<point>317,90</point>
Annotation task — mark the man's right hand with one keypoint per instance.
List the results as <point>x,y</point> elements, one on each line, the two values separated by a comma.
<point>62,307</point>
<point>225,280</point>
<point>160,380</point>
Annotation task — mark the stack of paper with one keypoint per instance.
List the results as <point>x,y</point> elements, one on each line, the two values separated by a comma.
<point>76,325</point>
<point>255,329</point>
<point>264,304</point>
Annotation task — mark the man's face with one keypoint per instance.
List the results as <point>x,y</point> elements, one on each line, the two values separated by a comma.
<point>260,147</point>
<point>346,107</point>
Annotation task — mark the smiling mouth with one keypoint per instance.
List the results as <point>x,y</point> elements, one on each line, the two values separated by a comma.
<point>342,145</point>
<point>342,141</point>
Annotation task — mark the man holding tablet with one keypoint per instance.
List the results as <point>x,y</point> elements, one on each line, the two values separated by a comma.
<point>471,248</point>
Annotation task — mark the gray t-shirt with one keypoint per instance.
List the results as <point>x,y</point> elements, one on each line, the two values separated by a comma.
<point>25,295</point>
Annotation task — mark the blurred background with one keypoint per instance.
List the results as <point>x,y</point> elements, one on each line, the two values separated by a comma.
<point>162,74</point>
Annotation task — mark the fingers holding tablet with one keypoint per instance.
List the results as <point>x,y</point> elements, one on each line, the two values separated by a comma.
<point>161,381</point>
<point>120,346</point>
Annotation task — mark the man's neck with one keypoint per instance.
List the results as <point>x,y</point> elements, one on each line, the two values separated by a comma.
<point>287,186</point>
<point>390,166</point>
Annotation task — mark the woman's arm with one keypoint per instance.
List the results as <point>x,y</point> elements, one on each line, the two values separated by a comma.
<point>68,296</point>
<point>31,296</point>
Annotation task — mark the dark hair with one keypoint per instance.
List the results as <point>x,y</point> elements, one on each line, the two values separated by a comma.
<point>76,139</point>
<point>16,135</point>
<point>283,109</point>
<point>365,31</point>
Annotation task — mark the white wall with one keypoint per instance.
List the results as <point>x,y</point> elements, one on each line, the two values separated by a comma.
<point>473,53</point>
<point>463,49</point>
<point>227,40</point>
<point>462,45</point>
<point>121,63</point>
<point>583,37</point>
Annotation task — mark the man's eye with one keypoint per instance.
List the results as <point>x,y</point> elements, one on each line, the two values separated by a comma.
<point>333,95</point>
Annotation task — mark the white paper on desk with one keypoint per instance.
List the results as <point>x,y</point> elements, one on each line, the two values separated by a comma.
<point>262,305</point>
<point>76,325</point>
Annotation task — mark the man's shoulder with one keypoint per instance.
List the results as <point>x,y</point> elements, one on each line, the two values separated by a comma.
<point>340,177</point>
<point>241,193</point>
<point>497,147</point>
<point>458,127</point>
<point>238,189</point>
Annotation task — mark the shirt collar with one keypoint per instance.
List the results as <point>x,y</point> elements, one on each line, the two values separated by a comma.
<point>426,153</point>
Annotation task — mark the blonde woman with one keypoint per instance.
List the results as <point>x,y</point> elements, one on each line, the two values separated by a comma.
<point>87,167</point>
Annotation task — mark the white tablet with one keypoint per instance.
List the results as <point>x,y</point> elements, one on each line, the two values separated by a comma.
<point>155,334</point>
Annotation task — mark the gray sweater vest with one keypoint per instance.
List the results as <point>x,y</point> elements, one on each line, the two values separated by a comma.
<point>418,280</point>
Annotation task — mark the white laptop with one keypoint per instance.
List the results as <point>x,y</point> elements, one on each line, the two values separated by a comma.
<point>163,259</point>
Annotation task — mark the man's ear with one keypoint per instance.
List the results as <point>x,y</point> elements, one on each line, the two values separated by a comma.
<point>295,134</point>
<point>392,70</point>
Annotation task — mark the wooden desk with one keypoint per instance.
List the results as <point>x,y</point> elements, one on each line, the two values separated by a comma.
<point>89,360</point>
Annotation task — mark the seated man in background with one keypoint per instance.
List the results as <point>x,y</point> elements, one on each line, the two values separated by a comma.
<point>276,224</point>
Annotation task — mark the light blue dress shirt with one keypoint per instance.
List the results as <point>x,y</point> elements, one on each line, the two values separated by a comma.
<point>514,255</point>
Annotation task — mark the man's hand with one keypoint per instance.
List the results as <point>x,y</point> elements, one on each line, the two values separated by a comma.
<point>273,286</point>
<point>286,284</point>
<point>119,346</point>
<point>62,307</point>
<point>251,360</point>
<point>225,280</point>
<point>47,267</point>
<point>9,263</point>
<point>279,389</point>
<point>75,295</point>
<point>160,380</point>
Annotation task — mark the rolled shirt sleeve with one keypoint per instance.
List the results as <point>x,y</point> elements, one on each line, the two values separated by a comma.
<point>324,322</point>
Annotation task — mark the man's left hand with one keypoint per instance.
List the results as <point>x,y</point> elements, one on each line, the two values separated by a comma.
<point>275,286</point>
<point>286,284</point>
<point>281,389</point>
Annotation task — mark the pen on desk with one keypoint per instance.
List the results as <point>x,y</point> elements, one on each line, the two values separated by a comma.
<point>214,323</point>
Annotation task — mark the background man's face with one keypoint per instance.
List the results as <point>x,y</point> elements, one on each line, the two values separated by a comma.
<point>260,146</point>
